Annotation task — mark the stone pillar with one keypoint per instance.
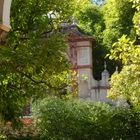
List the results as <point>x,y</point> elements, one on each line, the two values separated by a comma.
<point>4,18</point>
<point>83,89</point>
<point>105,77</point>
<point>104,85</point>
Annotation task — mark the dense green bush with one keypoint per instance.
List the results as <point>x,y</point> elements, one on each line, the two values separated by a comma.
<point>60,119</point>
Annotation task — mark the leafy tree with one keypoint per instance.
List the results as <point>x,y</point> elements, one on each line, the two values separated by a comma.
<point>118,16</point>
<point>32,61</point>
<point>126,83</point>
<point>91,21</point>
<point>136,18</point>
<point>107,23</point>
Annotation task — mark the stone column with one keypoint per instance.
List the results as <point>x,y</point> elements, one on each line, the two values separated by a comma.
<point>4,18</point>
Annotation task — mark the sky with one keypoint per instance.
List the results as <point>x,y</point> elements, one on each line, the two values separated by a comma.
<point>98,1</point>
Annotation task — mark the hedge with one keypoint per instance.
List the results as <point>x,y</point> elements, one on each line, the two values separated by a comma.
<point>61,119</point>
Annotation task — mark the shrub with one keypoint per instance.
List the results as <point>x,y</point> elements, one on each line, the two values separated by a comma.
<point>26,132</point>
<point>60,119</point>
<point>2,137</point>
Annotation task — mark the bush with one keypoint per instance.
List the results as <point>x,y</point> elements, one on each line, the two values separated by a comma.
<point>60,119</point>
<point>2,137</point>
<point>26,132</point>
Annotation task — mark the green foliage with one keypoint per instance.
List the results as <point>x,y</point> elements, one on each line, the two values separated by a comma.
<point>32,61</point>
<point>126,83</point>
<point>3,137</point>
<point>107,23</point>
<point>90,20</point>
<point>79,5</point>
<point>125,50</point>
<point>136,19</point>
<point>118,16</point>
<point>29,71</point>
<point>60,119</point>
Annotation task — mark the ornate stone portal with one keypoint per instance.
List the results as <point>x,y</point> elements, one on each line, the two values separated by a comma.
<point>4,18</point>
<point>80,56</point>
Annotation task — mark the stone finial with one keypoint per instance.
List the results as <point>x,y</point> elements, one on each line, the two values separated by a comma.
<point>105,73</point>
<point>116,71</point>
<point>105,76</point>
<point>105,65</point>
